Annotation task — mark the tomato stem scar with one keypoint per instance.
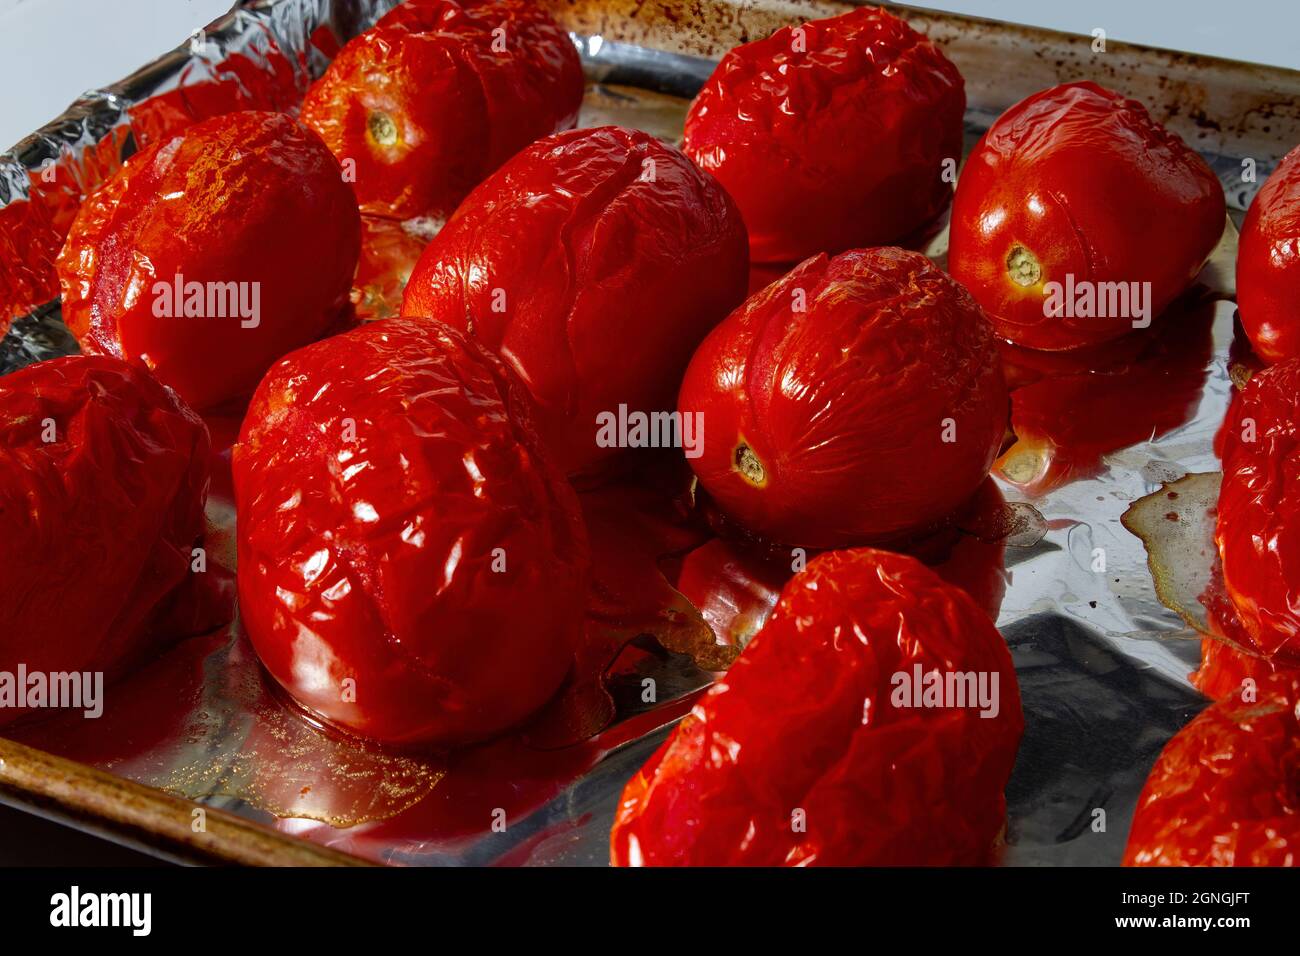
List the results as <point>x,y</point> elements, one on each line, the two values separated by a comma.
<point>1023,267</point>
<point>382,129</point>
<point>749,466</point>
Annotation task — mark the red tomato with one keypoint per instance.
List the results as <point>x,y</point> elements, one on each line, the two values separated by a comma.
<point>401,526</point>
<point>1268,265</point>
<point>103,478</point>
<point>594,262</point>
<point>859,399</point>
<point>439,94</point>
<point>811,750</point>
<point>1073,199</point>
<point>832,134</point>
<point>210,255</point>
<point>1224,670</point>
<point>1258,530</point>
<point>1223,791</point>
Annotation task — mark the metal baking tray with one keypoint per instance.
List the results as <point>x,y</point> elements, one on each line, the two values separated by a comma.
<point>1102,663</point>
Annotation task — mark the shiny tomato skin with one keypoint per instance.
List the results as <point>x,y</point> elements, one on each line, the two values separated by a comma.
<point>103,479</point>
<point>845,406</point>
<point>1225,791</point>
<point>439,94</point>
<point>1258,526</point>
<point>249,197</point>
<point>832,134</point>
<point>1091,186</point>
<point>593,262</point>
<point>806,720</point>
<point>1268,264</point>
<point>400,524</point>
<point>1224,669</point>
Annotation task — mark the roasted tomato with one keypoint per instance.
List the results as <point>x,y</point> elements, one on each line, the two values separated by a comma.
<point>412,566</point>
<point>103,478</point>
<point>1224,669</point>
<point>832,134</point>
<point>1268,265</point>
<point>1078,218</point>
<point>1258,531</point>
<point>438,95</point>
<point>212,254</point>
<point>594,262</point>
<point>1224,790</point>
<point>857,400</point>
<point>873,721</point>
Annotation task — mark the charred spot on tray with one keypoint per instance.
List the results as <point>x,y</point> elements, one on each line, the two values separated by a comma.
<point>383,130</point>
<point>750,466</point>
<point>1023,267</point>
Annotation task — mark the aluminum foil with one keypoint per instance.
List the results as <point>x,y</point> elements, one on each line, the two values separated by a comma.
<point>1102,663</point>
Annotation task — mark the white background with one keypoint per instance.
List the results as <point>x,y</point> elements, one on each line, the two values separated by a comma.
<point>53,50</point>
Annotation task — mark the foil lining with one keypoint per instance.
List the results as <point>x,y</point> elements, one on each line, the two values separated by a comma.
<point>1102,662</point>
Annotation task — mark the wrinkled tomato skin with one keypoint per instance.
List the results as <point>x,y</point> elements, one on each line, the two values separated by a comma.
<point>1224,670</point>
<point>97,525</point>
<point>1092,187</point>
<point>805,720</point>
<point>464,85</point>
<point>247,197</point>
<point>846,404</point>
<point>1225,791</point>
<point>832,134</point>
<point>401,525</point>
<point>1258,528</point>
<point>593,262</point>
<point>1268,265</point>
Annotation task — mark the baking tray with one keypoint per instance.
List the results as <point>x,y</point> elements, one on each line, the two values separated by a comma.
<point>1102,663</point>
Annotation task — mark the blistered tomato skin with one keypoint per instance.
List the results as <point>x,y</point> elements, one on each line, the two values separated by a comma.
<point>1258,529</point>
<point>594,262</point>
<point>1224,791</point>
<point>103,478</point>
<point>1268,265</point>
<point>439,94</point>
<point>401,527</point>
<point>1077,181</point>
<point>858,400</point>
<point>832,134</point>
<point>212,254</point>
<point>810,750</point>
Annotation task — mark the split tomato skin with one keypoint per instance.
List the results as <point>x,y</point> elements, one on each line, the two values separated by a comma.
<point>858,400</point>
<point>401,526</point>
<point>252,201</point>
<point>1224,790</point>
<point>1258,526</point>
<point>1268,265</point>
<point>1077,180</point>
<point>593,262</point>
<point>832,134</point>
<point>103,480</point>
<point>439,94</point>
<point>801,756</point>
